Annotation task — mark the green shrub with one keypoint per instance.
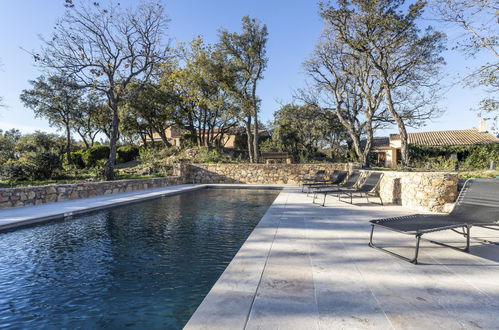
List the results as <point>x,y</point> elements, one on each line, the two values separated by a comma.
<point>127,153</point>
<point>471,157</point>
<point>35,166</point>
<point>481,156</point>
<point>95,153</point>
<point>16,170</point>
<point>442,163</point>
<point>77,159</point>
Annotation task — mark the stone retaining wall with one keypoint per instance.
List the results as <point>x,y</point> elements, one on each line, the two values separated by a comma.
<point>422,191</point>
<point>25,196</point>
<point>260,173</point>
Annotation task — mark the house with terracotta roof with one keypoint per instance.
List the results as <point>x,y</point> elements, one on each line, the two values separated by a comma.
<point>174,136</point>
<point>387,149</point>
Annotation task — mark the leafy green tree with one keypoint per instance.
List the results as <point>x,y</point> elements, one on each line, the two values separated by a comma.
<point>153,106</point>
<point>246,53</point>
<point>37,157</point>
<point>302,130</point>
<point>407,61</point>
<point>88,117</point>
<point>204,104</point>
<point>55,99</point>
<point>133,128</point>
<point>8,140</point>
<point>105,48</point>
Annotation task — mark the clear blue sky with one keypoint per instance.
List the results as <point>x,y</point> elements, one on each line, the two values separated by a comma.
<point>293,30</point>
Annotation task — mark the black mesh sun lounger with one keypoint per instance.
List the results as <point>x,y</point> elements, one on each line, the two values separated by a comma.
<point>368,187</point>
<point>352,180</point>
<point>319,176</point>
<point>335,179</point>
<point>476,205</point>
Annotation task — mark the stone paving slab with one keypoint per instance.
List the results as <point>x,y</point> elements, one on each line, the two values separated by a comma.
<point>309,267</point>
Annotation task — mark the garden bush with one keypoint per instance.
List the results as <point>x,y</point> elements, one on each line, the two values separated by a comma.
<point>127,153</point>
<point>35,166</point>
<point>481,156</point>
<point>16,170</point>
<point>470,157</point>
<point>95,153</point>
<point>77,159</point>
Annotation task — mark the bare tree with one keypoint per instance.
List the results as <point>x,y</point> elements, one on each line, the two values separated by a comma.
<point>407,61</point>
<point>479,19</point>
<point>346,84</point>
<point>104,48</point>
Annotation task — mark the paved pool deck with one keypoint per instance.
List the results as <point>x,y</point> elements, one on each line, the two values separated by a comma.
<point>309,267</point>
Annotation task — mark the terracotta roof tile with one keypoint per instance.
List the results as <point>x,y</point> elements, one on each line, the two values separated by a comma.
<point>450,138</point>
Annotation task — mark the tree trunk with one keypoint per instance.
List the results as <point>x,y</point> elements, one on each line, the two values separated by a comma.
<point>83,138</point>
<point>367,147</point>
<point>87,145</point>
<point>143,137</point>
<point>109,169</point>
<point>358,151</point>
<point>256,150</point>
<point>255,126</point>
<point>404,151</point>
<point>92,138</point>
<point>353,136</point>
<point>164,139</point>
<point>68,144</point>
<point>249,139</point>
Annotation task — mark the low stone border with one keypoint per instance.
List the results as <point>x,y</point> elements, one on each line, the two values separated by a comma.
<point>26,196</point>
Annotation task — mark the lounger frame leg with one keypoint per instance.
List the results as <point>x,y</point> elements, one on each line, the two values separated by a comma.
<point>465,233</point>
<point>414,260</point>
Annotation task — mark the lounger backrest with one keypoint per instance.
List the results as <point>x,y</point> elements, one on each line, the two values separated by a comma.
<point>333,175</point>
<point>319,175</point>
<point>371,182</point>
<point>352,180</point>
<point>340,177</point>
<point>478,201</point>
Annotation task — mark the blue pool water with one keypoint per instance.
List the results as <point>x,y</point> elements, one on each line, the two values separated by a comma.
<point>146,265</point>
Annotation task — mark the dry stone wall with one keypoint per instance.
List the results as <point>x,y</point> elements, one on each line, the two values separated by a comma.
<point>25,196</point>
<point>421,191</point>
<point>260,173</point>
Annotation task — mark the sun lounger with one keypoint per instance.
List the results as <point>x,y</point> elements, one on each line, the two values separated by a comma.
<point>476,205</point>
<point>368,187</point>
<point>350,183</point>
<point>319,175</point>
<point>335,178</point>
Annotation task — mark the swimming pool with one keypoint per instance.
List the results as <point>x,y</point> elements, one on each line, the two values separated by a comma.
<point>143,265</point>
